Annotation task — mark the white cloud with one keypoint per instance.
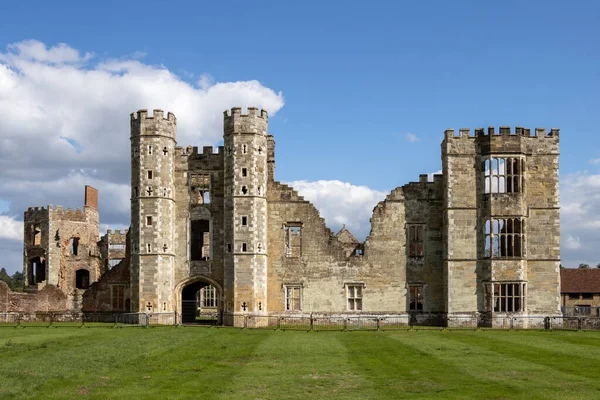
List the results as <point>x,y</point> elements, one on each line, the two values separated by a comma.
<point>342,203</point>
<point>411,137</point>
<point>595,161</point>
<point>573,243</point>
<point>65,122</point>
<point>10,229</point>
<point>580,221</point>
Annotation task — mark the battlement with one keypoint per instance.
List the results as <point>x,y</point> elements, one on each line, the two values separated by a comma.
<point>156,115</point>
<point>502,131</point>
<point>236,112</point>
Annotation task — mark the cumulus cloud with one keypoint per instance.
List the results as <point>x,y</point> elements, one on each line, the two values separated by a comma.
<point>411,137</point>
<point>342,203</point>
<point>65,122</point>
<point>580,221</point>
<point>10,229</point>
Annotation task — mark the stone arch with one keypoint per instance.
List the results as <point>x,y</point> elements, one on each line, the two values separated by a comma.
<point>185,292</point>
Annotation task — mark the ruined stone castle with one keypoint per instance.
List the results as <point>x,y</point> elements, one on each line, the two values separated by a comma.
<point>481,238</point>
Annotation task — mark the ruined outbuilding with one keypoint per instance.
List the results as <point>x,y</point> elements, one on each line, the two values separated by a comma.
<point>480,238</point>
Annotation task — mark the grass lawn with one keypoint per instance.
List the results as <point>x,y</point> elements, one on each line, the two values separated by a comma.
<point>212,363</point>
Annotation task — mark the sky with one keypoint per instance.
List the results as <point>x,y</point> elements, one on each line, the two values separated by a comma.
<point>359,95</point>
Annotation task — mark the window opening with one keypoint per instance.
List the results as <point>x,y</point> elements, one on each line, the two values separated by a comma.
<point>200,240</point>
<point>244,172</point>
<point>504,237</point>
<point>74,244</point>
<point>244,149</point>
<point>149,150</point>
<point>293,297</point>
<point>149,174</point>
<point>354,296</point>
<point>415,297</point>
<point>82,279</point>
<point>208,297</point>
<point>165,150</point>
<point>37,235</point>
<point>244,190</point>
<point>293,240</point>
<point>149,247</point>
<point>244,220</point>
<point>113,262</point>
<point>503,175</point>
<point>118,297</point>
<point>148,220</point>
<point>244,247</point>
<point>229,247</point>
<point>415,241</point>
<point>508,297</point>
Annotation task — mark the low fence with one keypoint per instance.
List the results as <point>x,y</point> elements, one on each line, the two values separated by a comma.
<point>416,321</point>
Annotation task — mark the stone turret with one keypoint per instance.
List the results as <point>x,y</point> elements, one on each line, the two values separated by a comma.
<point>245,219</point>
<point>152,211</point>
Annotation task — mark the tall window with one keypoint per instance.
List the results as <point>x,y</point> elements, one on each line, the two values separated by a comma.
<point>74,246</point>
<point>504,237</point>
<point>503,174</point>
<point>506,297</point>
<point>37,235</point>
<point>293,240</point>
<point>415,241</point>
<point>354,296</point>
<point>208,297</point>
<point>415,297</point>
<point>293,297</point>
<point>117,294</point>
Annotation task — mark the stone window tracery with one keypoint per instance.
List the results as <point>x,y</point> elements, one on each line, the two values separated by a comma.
<point>293,297</point>
<point>504,237</point>
<point>415,297</point>
<point>354,296</point>
<point>506,296</point>
<point>503,174</point>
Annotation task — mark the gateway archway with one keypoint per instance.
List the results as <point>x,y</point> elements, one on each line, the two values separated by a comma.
<point>200,301</point>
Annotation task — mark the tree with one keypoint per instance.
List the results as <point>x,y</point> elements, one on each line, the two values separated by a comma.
<point>18,281</point>
<point>598,265</point>
<point>6,278</point>
<point>584,266</point>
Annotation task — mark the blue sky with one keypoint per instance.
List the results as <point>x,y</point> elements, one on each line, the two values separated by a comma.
<point>368,88</point>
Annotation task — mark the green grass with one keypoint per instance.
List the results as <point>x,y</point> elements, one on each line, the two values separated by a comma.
<point>212,363</point>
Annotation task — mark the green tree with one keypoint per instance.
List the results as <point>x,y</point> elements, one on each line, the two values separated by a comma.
<point>584,266</point>
<point>18,281</point>
<point>6,278</point>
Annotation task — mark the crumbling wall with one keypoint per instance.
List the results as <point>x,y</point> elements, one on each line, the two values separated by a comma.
<point>47,299</point>
<point>100,296</point>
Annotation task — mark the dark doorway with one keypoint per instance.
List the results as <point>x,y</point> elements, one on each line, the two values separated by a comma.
<point>191,305</point>
<point>200,240</point>
<point>82,279</point>
<point>36,271</point>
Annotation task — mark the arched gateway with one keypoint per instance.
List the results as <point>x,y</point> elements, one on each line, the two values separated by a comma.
<point>191,300</point>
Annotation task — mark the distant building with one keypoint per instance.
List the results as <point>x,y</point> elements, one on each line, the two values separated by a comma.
<point>580,291</point>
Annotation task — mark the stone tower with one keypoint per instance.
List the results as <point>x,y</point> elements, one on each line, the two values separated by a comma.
<point>152,211</point>
<point>502,226</point>
<point>245,218</point>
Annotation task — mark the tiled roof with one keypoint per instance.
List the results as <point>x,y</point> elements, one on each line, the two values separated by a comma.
<point>580,280</point>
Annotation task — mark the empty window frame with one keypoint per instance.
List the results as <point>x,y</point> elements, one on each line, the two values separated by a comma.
<point>117,295</point>
<point>354,296</point>
<point>244,247</point>
<point>415,240</point>
<point>208,297</point>
<point>149,174</point>
<point>82,279</point>
<point>503,174</point>
<point>415,297</point>
<point>293,239</point>
<point>504,237</point>
<point>149,220</point>
<point>587,296</point>
<point>200,240</point>
<point>244,220</point>
<point>244,172</point>
<point>508,297</point>
<point>573,296</point>
<point>293,297</point>
<point>74,245</point>
<point>37,235</point>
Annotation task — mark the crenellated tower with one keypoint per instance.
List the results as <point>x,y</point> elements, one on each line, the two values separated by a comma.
<point>245,219</point>
<point>152,211</point>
